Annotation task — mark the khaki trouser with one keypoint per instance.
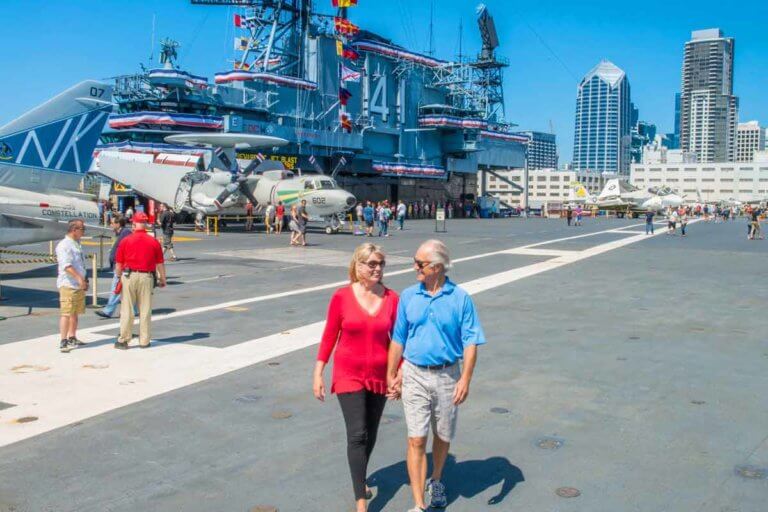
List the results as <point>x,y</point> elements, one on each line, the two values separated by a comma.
<point>137,289</point>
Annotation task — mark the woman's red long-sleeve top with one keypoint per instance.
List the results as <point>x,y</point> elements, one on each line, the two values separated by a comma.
<point>361,342</point>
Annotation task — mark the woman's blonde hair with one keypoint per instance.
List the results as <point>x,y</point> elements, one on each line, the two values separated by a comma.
<point>361,255</point>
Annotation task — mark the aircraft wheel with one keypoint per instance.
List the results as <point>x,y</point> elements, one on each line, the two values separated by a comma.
<point>329,230</point>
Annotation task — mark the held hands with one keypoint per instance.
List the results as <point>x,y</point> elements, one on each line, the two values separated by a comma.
<point>395,385</point>
<point>461,391</point>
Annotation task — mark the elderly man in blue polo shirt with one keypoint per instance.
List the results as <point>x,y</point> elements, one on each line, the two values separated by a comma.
<point>436,327</point>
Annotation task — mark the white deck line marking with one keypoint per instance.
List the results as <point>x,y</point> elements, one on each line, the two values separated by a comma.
<point>68,392</point>
<point>539,252</point>
<point>336,284</point>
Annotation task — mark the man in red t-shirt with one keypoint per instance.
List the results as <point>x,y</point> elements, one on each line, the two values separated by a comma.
<point>138,262</point>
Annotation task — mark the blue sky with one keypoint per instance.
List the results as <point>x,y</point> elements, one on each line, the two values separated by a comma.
<point>47,46</point>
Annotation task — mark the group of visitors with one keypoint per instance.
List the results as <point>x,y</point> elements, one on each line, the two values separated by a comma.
<point>573,216</point>
<point>380,215</point>
<point>137,260</point>
<point>405,348</point>
<point>275,219</point>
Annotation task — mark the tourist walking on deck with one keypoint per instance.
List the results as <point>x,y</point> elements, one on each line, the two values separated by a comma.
<point>167,225</point>
<point>437,326</point>
<point>249,216</point>
<point>269,218</point>
<point>140,267</point>
<point>357,331</point>
<point>568,215</point>
<point>683,217</point>
<point>72,283</point>
<point>118,225</point>
<point>279,217</point>
<point>754,225</point>
<point>359,221</point>
<point>671,221</point>
<point>384,214</point>
<point>578,212</point>
<point>302,218</point>
<point>368,214</point>
<point>649,221</point>
<point>400,215</point>
<point>293,225</point>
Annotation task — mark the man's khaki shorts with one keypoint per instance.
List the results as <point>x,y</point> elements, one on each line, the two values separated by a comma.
<point>428,400</point>
<point>71,301</point>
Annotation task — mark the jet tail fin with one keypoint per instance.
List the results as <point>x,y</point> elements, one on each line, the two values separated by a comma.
<point>60,134</point>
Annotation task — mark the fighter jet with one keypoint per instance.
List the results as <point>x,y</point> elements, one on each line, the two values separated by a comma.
<point>207,179</point>
<point>44,155</point>
<point>627,199</point>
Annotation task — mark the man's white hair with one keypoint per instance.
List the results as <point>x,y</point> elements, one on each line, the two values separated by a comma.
<point>438,252</point>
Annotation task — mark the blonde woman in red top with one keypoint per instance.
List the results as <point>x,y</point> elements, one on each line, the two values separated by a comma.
<point>361,317</point>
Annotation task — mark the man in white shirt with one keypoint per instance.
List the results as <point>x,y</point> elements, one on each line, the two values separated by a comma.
<point>400,214</point>
<point>72,283</point>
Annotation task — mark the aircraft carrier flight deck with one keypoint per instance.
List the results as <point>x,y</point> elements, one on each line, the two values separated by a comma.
<point>623,372</point>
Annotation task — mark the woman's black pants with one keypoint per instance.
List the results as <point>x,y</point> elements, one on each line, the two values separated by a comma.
<point>362,411</point>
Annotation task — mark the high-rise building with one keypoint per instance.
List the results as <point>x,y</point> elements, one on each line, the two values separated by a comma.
<point>603,120</point>
<point>672,140</point>
<point>643,133</point>
<point>542,150</point>
<point>750,137</point>
<point>708,108</point>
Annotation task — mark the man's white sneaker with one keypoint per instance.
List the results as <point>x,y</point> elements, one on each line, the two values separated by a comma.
<point>436,493</point>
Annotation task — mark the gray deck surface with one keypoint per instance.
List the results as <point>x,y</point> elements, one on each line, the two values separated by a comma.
<point>647,363</point>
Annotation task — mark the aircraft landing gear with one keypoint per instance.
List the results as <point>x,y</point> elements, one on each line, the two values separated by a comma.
<point>333,225</point>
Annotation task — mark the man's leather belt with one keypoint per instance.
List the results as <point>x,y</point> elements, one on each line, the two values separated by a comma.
<point>436,366</point>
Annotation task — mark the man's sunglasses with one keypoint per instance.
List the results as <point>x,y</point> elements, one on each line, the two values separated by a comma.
<point>421,264</point>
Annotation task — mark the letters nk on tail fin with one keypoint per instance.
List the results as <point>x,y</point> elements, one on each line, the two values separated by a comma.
<point>61,134</point>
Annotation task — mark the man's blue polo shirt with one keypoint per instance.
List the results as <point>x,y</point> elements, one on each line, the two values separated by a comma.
<point>368,213</point>
<point>435,330</point>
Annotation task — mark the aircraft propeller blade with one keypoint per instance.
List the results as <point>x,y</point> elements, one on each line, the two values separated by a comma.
<point>224,195</point>
<point>243,187</point>
<point>251,167</point>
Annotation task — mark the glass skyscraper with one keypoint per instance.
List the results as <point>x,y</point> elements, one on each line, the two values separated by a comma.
<point>708,108</point>
<point>603,115</point>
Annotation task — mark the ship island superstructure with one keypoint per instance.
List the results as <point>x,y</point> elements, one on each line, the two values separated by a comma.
<point>385,121</point>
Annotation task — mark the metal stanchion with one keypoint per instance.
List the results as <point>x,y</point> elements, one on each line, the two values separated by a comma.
<point>101,250</point>
<point>95,276</point>
<point>50,248</point>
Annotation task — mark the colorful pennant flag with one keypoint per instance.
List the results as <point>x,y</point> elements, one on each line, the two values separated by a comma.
<point>350,53</point>
<point>339,48</point>
<point>346,123</point>
<point>345,27</point>
<point>344,95</point>
<point>312,159</point>
<point>243,22</point>
<point>344,3</point>
<point>242,65</point>
<point>349,75</point>
<point>241,43</point>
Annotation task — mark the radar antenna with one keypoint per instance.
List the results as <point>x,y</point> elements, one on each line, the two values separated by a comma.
<point>168,53</point>
<point>488,69</point>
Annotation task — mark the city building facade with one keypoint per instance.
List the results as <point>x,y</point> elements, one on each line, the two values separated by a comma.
<point>708,108</point>
<point>602,137</point>
<point>750,137</point>
<point>544,185</point>
<point>712,181</point>
<point>542,149</point>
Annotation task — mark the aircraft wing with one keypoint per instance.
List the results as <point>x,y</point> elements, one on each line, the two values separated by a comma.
<point>139,172</point>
